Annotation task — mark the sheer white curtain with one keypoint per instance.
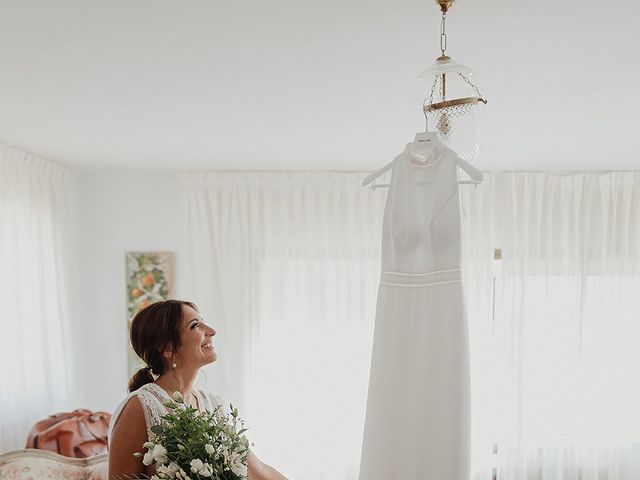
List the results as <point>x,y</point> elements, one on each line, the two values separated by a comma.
<point>35,372</point>
<point>286,265</point>
<point>554,325</point>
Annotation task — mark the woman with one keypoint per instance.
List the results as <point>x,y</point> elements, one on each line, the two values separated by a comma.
<point>174,342</point>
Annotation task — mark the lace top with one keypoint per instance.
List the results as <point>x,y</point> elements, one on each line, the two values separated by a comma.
<point>151,396</point>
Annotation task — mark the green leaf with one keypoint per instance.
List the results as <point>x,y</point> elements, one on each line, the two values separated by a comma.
<point>157,429</point>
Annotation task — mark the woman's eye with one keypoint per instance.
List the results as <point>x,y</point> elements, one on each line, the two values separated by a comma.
<point>194,325</point>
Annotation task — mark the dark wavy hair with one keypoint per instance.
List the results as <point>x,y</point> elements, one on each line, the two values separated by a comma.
<point>154,329</point>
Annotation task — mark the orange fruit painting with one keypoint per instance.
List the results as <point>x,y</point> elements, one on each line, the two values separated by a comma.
<point>149,279</point>
<point>144,303</point>
<point>136,292</point>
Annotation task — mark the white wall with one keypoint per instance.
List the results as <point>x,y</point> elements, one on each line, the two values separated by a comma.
<point>112,213</point>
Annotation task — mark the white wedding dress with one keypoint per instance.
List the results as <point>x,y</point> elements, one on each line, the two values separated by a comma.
<point>418,407</point>
<point>151,397</point>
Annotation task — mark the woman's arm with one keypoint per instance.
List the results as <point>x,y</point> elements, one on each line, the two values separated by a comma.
<point>129,433</point>
<point>259,470</point>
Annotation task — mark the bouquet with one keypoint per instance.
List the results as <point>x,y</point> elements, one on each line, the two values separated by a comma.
<point>197,446</point>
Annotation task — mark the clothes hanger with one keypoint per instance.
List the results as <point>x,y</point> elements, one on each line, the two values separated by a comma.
<point>375,175</point>
<point>416,150</point>
<point>419,138</point>
<point>421,142</point>
<point>472,171</point>
<point>425,136</point>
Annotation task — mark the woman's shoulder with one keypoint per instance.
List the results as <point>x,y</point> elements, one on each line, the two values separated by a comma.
<point>143,404</point>
<point>127,404</point>
<point>131,409</point>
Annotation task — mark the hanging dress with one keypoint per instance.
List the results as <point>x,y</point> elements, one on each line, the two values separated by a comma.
<point>417,423</point>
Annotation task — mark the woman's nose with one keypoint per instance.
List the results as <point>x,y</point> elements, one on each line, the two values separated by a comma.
<point>212,331</point>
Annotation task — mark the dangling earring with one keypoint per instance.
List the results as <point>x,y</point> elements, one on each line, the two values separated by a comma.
<point>173,365</point>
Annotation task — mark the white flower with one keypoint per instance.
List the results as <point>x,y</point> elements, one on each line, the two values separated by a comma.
<point>147,459</point>
<point>169,470</point>
<point>154,477</point>
<point>239,468</point>
<point>223,452</point>
<point>234,462</point>
<point>219,414</point>
<point>203,469</point>
<point>182,475</point>
<point>177,396</point>
<point>196,465</point>
<point>209,448</point>
<point>160,454</point>
<point>207,470</point>
<point>157,454</point>
<point>148,444</point>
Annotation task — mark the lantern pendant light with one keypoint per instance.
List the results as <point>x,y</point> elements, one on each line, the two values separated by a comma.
<point>453,112</point>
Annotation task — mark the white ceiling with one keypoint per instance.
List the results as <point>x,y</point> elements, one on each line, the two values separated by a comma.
<point>307,85</point>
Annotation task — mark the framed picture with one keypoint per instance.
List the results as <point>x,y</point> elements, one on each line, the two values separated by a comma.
<point>149,279</point>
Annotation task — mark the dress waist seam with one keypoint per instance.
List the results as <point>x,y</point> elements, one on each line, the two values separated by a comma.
<point>421,274</point>
<point>436,277</point>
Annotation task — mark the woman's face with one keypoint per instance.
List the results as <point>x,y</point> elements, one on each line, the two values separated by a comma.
<point>196,340</point>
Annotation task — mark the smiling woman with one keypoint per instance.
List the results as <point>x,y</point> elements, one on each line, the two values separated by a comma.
<point>174,342</point>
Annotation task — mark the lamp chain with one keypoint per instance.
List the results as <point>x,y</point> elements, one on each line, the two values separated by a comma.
<point>443,35</point>
<point>433,89</point>
<point>472,85</point>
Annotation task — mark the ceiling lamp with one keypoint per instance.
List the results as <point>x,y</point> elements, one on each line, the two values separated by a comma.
<point>452,110</point>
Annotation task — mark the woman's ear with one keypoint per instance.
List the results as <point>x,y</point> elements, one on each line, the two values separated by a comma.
<point>169,358</point>
<point>168,353</point>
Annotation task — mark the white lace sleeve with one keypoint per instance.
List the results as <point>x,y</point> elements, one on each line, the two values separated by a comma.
<point>151,398</point>
<point>153,410</point>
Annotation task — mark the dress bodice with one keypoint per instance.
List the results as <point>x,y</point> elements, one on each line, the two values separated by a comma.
<point>421,228</point>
